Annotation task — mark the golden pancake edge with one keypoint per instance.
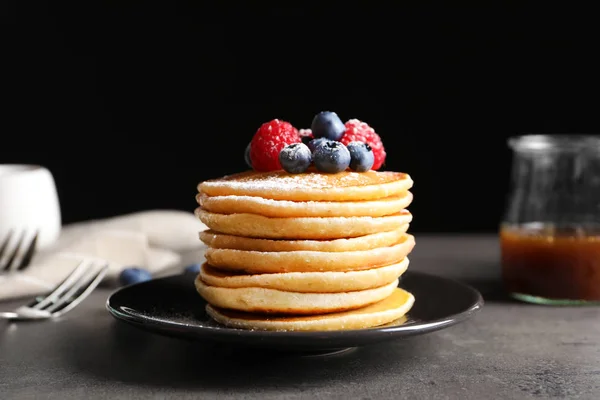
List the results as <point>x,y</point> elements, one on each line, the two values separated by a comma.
<point>310,186</point>
<point>308,282</point>
<point>375,240</point>
<point>258,226</point>
<point>273,301</point>
<point>392,308</point>
<point>232,204</point>
<point>308,261</point>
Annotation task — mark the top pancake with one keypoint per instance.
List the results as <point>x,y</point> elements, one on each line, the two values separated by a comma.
<point>310,186</point>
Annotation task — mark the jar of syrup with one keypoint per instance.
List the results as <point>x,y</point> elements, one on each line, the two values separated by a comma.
<point>550,233</point>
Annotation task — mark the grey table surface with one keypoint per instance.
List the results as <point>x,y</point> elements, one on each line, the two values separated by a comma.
<point>509,350</point>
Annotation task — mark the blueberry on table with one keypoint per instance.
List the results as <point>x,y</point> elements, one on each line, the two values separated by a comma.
<point>192,269</point>
<point>327,124</point>
<point>295,158</point>
<point>331,157</point>
<point>247,156</point>
<point>133,275</point>
<point>361,156</point>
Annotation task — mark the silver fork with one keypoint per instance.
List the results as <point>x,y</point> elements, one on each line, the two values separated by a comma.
<point>64,297</point>
<point>11,264</point>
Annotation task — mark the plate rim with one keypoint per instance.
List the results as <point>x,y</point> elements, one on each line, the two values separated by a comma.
<point>224,332</point>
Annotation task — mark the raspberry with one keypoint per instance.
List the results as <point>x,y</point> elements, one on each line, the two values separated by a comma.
<point>305,132</point>
<point>268,141</point>
<point>305,135</point>
<point>361,132</point>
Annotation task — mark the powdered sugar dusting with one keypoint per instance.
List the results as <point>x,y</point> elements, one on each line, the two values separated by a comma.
<point>280,180</point>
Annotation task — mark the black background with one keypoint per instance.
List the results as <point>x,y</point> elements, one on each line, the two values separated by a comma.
<point>131,104</point>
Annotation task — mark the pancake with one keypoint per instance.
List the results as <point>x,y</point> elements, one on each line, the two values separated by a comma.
<point>307,282</point>
<point>308,261</point>
<point>393,308</point>
<point>310,186</point>
<point>272,301</point>
<point>252,225</point>
<point>287,208</point>
<point>375,240</point>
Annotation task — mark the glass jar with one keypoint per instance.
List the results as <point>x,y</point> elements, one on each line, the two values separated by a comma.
<point>550,232</point>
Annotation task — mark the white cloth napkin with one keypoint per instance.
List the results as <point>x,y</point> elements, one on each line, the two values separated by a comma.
<point>150,239</point>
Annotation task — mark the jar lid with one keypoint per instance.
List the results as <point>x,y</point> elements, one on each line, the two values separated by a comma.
<point>565,142</point>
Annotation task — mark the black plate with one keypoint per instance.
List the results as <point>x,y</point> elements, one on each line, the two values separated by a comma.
<point>171,306</point>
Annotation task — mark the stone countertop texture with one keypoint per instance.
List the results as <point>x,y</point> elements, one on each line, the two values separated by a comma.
<point>509,350</point>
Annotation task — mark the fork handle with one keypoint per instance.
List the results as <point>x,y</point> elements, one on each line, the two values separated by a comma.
<point>8,315</point>
<point>25,313</point>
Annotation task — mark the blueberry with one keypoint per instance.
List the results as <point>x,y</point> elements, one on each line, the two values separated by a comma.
<point>192,269</point>
<point>331,157</point>
<point>312,145</point>
<point>247,156</point>
<point>327,124</point>
<point>306,139</point>
<point>134,275</point>
<point>361,156</point>
<point>295,158</point>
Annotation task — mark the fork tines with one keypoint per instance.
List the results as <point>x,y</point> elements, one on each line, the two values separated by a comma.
<point>10,254</point>
<point>71,291</point>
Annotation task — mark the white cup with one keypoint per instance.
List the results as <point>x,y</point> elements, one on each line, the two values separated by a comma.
<point>29,203</point>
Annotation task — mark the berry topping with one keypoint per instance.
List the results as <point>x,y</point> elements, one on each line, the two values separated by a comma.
<point>247,156</point>
<point>295,158</point>
<point>327,124</point>
<point>305,134</point>
<point>361,156</point>
<point>357,131</point>
<point>131,275</point>
<point>312,145</point>
<point>268,141</point>
<point>331,156</point>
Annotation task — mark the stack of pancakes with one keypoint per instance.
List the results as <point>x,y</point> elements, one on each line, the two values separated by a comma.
<point>310,251</point>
